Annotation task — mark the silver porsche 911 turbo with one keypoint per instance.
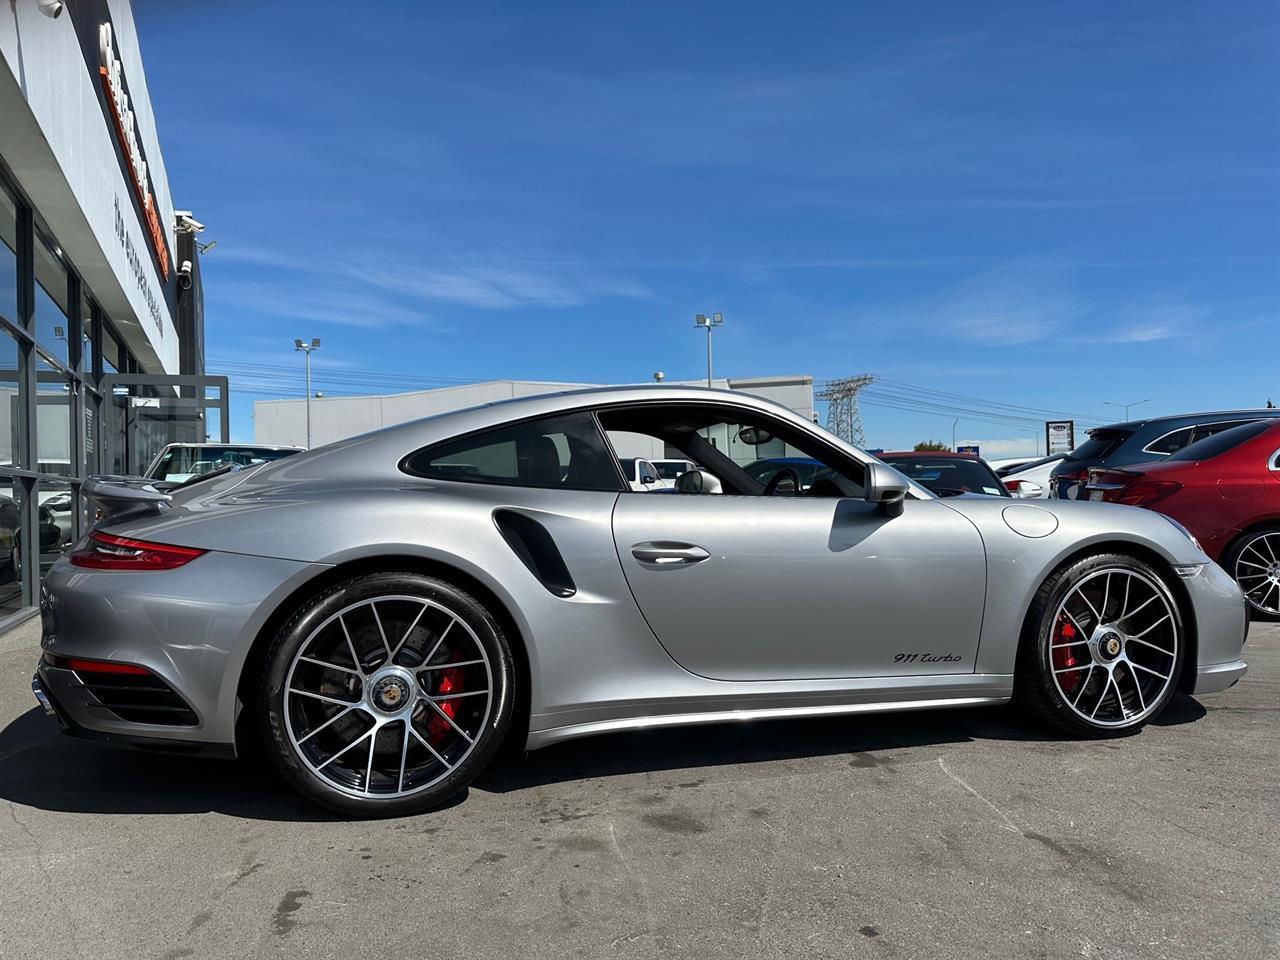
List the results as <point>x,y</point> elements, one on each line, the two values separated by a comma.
<point>386,611</point>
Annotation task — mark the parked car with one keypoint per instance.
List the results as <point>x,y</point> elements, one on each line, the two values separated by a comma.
<point>947,474</point>
<point>1140,441</point>
<point>642,476</point>
<point>179,462</point>
<point>1009,464</point>
<point>383,662</point>
<point>1225,489</point>
<point>1030,481</point>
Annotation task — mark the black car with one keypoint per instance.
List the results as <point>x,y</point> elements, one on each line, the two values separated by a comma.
<point>1140,441</point>
<point>947,474</point>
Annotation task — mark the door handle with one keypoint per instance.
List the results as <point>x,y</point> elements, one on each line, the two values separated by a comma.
<point>668,553</point>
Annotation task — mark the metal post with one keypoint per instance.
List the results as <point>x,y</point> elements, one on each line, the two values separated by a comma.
<point>308,399</point>
<point>702,320</point>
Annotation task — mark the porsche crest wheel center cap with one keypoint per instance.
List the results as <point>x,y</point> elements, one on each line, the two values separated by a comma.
<point>391,693</point>
<point>1110,645</point>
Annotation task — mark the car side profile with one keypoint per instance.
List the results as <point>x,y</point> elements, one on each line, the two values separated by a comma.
<point>1141,441</point>
<point>504,584</point>
<point>1226,490</point>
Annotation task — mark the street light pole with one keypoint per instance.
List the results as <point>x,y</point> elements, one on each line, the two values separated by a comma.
<point>307,348</point>
<point>715,320</point>
<point>1132,403</point>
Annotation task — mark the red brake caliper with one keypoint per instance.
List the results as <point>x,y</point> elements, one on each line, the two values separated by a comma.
<point>1064,656</point>
<point>450,682</point>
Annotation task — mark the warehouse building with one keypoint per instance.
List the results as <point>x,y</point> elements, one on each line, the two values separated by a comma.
<point>101,311</point>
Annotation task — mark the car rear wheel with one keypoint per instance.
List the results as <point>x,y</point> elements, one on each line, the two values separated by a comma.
<point>387,694</point>
<point>1103,648</point>
<point>1254,563</point>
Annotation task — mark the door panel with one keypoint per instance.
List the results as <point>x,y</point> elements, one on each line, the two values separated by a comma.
<point>804,588</point>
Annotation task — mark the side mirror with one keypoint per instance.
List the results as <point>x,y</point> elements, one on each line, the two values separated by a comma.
<point>887,488</point>
<point>698,481</point>
<point>648,479</point>
<point>1026,489</point>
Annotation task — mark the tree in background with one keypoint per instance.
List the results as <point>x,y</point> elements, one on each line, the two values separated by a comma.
<point>932,445</point>
<point>1270,405</point>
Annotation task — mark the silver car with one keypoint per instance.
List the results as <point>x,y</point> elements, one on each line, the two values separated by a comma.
<point>492,579</point>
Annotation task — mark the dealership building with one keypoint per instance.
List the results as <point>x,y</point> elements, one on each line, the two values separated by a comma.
<point>101,316</point>
<point>284,422</point>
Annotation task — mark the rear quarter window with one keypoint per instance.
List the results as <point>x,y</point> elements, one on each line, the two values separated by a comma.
<point>1101,444</point>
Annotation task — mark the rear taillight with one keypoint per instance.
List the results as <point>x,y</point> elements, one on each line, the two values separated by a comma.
<point>96,666</point>
<point>1144,493</point>
<point>105,552</point>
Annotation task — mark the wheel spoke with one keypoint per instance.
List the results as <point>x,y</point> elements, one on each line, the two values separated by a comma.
<point>1106,591</point>
<point>368,772</point>
<point>347,747</point>
<point>1128,582</point>
<point>1148,670</point>
<point>350,646</point>
<point>1167,616</point>
<point>1080,692</point>
<point>1087,666</point>
<point>1167,653</point>
<point>1106,688</point>
<point>337,716</point>
<point>448,665</point>
<point>1261,556</point>
<point>1260,566</point>
<point>1073,643</point>
<point>1137,685</point>
<point>458,696</point>
<point>381,632</point>
<point>457,729</point>
<point>425,608</point>
<point>1141,607</point>
<point>1092,609</point>
<point>331,666</point>
<point>1074,621</point>
<point>404,755</point>
<point>321,696</point>
<point>434,753</point>
<point>440,640</point>
<point>1266,542</point>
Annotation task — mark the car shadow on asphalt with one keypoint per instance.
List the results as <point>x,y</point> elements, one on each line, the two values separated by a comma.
<point>41,768</point>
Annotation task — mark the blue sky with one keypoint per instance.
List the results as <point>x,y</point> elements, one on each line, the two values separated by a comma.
<point>1042,205</point>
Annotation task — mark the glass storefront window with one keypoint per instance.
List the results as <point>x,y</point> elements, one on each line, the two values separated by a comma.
<point>10,514</point>
<point>86,351</point>
<point>8,258</point>
<point>56,519</point>
<point>53,422</point>
<point>52,326</point>
<point>10,411</point>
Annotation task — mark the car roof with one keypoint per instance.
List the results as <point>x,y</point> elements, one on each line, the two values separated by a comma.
<point>1188,419</point>
<point>935,454</point>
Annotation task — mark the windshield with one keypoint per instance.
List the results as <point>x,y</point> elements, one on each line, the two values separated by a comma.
<point>948,476</point>
<point>182,463</point>
<point>1221,442</point>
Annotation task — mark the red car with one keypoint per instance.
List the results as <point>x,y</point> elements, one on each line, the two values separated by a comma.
<point>1225,489</point>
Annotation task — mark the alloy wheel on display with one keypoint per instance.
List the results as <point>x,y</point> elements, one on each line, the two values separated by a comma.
<point>387,696</point>
<point>1258,572</point>
<point>1114,647</point>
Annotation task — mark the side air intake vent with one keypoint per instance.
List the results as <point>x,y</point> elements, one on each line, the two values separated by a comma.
<point>537,551</point>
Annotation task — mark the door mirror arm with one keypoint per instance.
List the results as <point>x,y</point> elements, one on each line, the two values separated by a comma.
<point>887,489</point>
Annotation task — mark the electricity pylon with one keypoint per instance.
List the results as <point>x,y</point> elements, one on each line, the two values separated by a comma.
<point>843,417</point>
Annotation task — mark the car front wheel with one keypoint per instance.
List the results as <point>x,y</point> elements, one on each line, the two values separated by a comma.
<point>1103,648</point>
<point>1254,563</point>
<point>387,694</point>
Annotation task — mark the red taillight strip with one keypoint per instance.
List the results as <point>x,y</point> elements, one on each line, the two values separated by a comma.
<point>95,666</point>
<point>107,552</point>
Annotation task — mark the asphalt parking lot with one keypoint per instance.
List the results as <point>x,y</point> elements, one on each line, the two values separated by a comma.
<point>940,834</point>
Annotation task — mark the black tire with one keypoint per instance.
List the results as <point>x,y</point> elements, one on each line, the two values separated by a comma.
<point>310,617</point>
<point>1231,563</point>
<point>1035,687</point>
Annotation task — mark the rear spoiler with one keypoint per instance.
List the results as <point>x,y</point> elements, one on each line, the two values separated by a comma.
<point>124,498</point>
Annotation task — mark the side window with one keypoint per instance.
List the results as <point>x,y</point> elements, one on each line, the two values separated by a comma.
<point>1171,442</point>
<point>1209,429</point>
<point>564,452</point>
<point>647,473</point>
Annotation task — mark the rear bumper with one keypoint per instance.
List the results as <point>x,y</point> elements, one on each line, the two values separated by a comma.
<point>73,708</point>
<point>1219,676</point>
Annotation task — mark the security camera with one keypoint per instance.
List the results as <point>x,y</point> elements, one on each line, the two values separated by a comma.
<point>184,275</point>
<point>51,8</point>
<point>186,222</point>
